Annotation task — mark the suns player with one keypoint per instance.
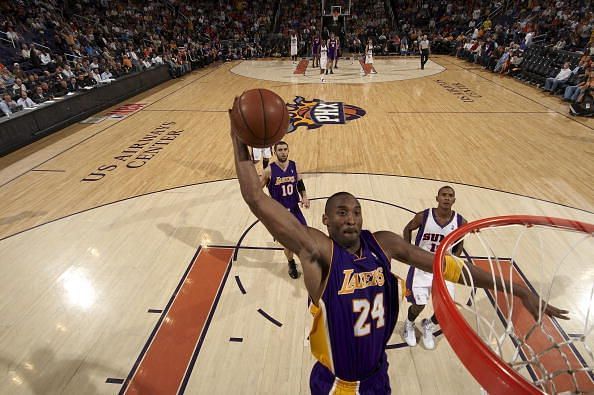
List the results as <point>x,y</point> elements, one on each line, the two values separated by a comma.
<point>433,224</point>
<point>315,51</point>
<point>369,54</point>
<point>286,186</point>
<point>348,279</point>
<point>294,40</point>
<point>332,52</point>
<point>323,59</point>
<point>263,154</point>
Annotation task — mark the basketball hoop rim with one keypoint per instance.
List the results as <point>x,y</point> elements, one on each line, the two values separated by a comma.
<point>496,376</point>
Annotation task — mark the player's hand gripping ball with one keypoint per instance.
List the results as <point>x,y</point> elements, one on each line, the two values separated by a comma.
<point>259,118</point>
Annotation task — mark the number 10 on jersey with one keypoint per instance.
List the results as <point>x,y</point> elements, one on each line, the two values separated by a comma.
<point>287,189</point>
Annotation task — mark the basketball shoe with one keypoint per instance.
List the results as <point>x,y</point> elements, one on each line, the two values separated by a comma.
<point>409,334</point>
<point>428,339</point>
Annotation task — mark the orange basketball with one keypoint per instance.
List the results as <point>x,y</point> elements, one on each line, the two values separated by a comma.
<point>260,118</point>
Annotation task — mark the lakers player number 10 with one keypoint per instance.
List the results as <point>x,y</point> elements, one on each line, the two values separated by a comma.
<point>287,189</point>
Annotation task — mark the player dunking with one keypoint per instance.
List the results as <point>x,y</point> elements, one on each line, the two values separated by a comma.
<point>285,185</point>
<point>348,279</point>
<point>294,47</point>
<point>434,225</point>
<point>315,51</point>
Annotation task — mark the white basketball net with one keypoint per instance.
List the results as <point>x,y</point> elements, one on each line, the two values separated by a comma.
<point>555,355</point>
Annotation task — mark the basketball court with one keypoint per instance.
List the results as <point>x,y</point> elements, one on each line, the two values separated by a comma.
<point>130,264</point>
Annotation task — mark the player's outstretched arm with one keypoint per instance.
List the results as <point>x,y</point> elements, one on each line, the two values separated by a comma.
<point>311,246</point>
<point>281,224</point>
<point>397,248</point>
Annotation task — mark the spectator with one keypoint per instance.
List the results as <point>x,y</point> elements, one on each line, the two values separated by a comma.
<point>96,77</point>
<point>573,92</point>
<point>18,87</point>
<point>12,35</point>
<point>47,91</point>
<point>32,81</point>
<point>503,62</point>
<point>45,58</point>
<point>7,105</point>
<point>157,59</point>
<point>61,88</point>
<point>18,72</point>
<point>528,39</point>
<point>35,59</point>
<point>73,85</point>
<point>67,72</point>
<point>126,64</point>
<point>25,101</point>
<point>6,77</point>
<point>581,105</point>
<point>106,75</point>
<point>39,97</point>
<point>487,24</point>
<point>552,83</point>
<point>25,52</point>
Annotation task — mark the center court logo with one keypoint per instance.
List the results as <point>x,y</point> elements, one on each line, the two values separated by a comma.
<point>316,113</point>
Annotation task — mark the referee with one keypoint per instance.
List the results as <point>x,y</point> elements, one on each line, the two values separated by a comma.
<point>424,46</point>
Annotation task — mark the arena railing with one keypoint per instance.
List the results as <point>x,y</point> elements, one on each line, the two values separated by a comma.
<point>4,37</point>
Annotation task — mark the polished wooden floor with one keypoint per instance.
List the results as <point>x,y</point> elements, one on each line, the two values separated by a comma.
<point>94,232</point>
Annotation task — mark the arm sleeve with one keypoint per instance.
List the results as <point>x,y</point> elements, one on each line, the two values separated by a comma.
<point>453,269</point>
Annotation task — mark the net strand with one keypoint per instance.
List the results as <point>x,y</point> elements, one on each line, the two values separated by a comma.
<point>523,355</point>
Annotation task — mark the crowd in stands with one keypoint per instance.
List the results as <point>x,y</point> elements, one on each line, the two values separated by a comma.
<point>61,47</point>
<point>52,48</point>
<point>549,44</point>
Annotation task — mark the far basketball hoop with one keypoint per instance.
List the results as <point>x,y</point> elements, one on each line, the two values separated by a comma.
<point>340,7</point>
<point>336,11</point>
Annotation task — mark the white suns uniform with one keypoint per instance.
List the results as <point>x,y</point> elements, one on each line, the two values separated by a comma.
<point>430,234</point>
<point>323,56</point>
<point>259,153</point>
<point>293,45</point>
<point>368,54</point>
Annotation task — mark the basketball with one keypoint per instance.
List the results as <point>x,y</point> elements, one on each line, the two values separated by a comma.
<point>260,118</point>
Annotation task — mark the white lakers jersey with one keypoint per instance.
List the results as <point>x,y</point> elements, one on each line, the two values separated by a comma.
<point>294,41</point>
<point>429,236</point>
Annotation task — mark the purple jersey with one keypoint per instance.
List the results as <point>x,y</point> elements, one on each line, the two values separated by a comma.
<point>282,185</point>
<point>332,48</point>
<point>315,46</point>
<point>356,314</point>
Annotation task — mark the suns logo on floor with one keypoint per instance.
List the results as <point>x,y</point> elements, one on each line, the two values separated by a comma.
<point>316,113</point>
